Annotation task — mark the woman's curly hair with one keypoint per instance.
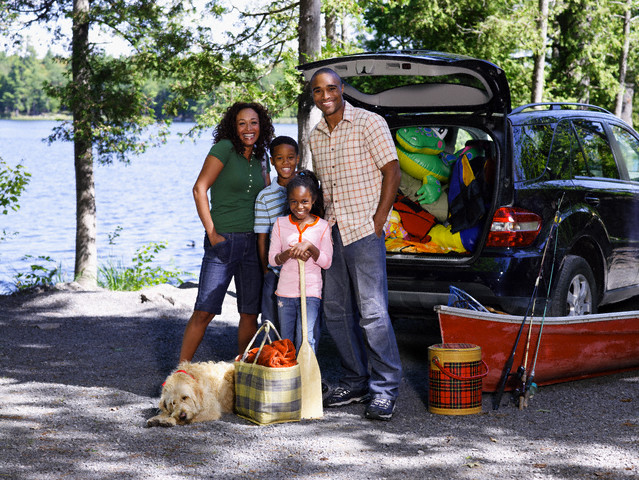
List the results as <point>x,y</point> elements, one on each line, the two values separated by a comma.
<point>227,129</point>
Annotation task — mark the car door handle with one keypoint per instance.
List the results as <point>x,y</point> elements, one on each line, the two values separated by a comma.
<point>594,201</point>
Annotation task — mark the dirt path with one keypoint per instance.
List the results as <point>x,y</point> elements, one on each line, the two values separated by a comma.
<point>80,372</point>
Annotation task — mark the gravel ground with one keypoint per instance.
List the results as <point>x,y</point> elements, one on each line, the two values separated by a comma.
<point>80,372</point>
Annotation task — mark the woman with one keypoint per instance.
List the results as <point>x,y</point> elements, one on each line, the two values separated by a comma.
<point>233,172</point>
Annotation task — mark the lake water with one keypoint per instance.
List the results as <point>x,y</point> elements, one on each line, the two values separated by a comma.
<point>149,200</point>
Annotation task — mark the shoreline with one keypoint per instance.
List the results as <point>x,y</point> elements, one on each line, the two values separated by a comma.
<point>62,117</point>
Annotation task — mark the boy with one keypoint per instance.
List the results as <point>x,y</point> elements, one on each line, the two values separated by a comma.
<point>270,204</point>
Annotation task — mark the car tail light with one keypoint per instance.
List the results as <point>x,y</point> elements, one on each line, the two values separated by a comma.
<point>513,227</point>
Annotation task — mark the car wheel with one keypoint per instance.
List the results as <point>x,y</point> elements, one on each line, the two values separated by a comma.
<point>576,291</point>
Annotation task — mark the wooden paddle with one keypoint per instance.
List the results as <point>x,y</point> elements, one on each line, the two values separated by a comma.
<point>309,368</point>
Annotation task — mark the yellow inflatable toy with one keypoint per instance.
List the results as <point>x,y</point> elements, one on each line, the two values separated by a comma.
<point>430,191</point>
<point>440,235</point>
<point>421,165</point>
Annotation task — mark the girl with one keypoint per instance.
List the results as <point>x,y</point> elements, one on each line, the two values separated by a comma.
<point>301,235</point>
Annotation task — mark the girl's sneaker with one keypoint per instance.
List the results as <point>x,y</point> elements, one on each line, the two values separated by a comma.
<point>344,396</point>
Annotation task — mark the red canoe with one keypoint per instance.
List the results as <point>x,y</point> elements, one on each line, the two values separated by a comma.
<point>571,348</point>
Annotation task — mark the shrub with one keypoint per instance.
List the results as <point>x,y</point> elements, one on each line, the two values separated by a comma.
<point>43,273</point>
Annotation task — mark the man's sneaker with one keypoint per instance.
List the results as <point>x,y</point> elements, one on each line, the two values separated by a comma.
<point>343,396</point>
<point>380,408</point>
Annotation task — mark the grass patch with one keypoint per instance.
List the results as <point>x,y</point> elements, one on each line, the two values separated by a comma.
<point>117,276</point>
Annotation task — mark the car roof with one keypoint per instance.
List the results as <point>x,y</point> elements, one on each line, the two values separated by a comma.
<point>550,112</point>
<point>419,81</point>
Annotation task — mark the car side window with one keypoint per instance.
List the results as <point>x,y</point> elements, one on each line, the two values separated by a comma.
<point>565,151</point>
<point>531,147</point>
<point>629,147</point>
<point>597,159</point>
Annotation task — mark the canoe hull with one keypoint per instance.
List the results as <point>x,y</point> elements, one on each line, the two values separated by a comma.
<point>571,348</point>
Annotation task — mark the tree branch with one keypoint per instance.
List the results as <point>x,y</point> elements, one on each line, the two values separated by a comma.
<point>272,12</point>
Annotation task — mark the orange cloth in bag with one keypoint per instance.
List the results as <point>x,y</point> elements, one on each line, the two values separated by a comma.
<point>278,354</point>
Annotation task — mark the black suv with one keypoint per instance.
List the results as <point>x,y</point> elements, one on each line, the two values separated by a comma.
<point>576,163</point>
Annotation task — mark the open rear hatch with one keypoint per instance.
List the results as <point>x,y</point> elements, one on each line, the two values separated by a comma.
<point>419,82</point>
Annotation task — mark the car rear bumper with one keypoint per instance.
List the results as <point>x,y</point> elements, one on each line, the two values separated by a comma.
<point>505,282</point>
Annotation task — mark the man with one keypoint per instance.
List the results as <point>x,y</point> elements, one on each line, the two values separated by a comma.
<point>355,159</point>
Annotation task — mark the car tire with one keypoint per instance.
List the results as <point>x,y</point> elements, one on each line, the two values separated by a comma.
<point>575,292</point>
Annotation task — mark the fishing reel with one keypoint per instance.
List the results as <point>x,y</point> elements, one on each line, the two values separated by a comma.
<point>526,389</point>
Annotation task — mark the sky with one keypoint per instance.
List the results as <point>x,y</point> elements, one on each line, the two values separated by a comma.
<point>42,41</point>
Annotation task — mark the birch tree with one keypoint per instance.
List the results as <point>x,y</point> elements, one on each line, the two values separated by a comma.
<point>539,53</point>
<point>310,46</point>
<point>623,104</point>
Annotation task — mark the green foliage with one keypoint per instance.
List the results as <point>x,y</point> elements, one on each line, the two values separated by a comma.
<point>13,181</point>
<point>22,80</point>
<point>114,235</point>
<point>583,40</point>
<point>187,72</point>
<point>117,108</point>
<point>115,276</point>
<point>498,31</point>
<point>43,272</point>
<point>256,63</point>
<point>585,60</point>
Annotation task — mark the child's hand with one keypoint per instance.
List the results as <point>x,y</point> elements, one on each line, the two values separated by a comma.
<point>302,250</point>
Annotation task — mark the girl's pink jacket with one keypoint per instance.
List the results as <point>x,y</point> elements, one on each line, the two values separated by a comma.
<point>286,233</point>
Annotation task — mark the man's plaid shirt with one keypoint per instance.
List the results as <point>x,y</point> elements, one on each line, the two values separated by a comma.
<point>348,161</point>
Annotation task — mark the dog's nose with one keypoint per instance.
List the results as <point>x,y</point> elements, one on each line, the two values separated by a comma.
<point>182,416</point>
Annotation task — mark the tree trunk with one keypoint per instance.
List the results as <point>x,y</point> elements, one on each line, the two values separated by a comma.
<point>330,25</point>
<point>344,25</point>
<point>623,61</point>
<point>310,46</point>
<point>626,110</point>
<point>540,53</point>
<point>86,264</point>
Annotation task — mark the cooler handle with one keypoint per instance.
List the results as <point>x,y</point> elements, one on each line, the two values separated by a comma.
<point>457,377</point>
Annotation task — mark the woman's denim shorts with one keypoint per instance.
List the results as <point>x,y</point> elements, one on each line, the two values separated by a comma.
<point>234,257</point>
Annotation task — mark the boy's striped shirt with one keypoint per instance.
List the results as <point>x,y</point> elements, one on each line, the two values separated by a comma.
<point>269,204</point>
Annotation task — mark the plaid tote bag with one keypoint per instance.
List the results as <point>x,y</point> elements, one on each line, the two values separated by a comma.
<point>266,395</point>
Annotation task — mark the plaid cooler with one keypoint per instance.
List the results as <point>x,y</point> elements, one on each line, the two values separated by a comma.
<point>455,396</point>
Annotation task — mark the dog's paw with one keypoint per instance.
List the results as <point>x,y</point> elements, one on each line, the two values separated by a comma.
<point>161,421</point>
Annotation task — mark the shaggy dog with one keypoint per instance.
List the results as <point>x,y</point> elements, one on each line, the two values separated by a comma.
<point>196,392</point>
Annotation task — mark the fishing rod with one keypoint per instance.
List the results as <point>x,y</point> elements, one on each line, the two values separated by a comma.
<point>509,363</point>
<point>529,381</point>
<point>521,371</point>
